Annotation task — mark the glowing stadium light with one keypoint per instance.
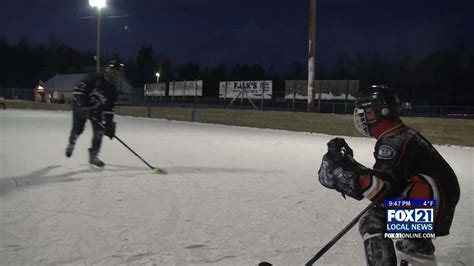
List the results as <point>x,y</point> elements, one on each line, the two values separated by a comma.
<point>97,3</point>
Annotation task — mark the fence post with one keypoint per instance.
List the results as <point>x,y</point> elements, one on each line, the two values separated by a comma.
<point>161,91</point>
<point>320,92</point>
<point>172,95</point>
<point>242,96</point>
<point>225,95</point>
<point>184,94</point>
<point>148,101</point>
<point>195,93</point>
<point>347,94</point>
<point>294,94</point>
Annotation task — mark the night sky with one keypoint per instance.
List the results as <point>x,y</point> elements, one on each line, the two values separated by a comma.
<point>268,32</point>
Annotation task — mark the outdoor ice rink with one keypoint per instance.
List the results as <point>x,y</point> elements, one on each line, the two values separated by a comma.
<point>233,196</point>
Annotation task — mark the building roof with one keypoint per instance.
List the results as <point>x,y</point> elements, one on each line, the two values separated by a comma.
<point>66,83</point>
<point>63,82</point>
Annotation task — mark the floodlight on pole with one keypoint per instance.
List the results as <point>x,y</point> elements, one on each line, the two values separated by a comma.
<point>99,4</point>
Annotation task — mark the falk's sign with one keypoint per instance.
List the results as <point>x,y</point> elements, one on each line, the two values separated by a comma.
<point>246,89</point>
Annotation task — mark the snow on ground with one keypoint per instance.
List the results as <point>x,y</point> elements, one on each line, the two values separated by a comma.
<point>233,196</point>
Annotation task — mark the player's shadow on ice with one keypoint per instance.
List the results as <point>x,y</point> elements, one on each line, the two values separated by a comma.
<point>37,177</point>
<point>43,176</point>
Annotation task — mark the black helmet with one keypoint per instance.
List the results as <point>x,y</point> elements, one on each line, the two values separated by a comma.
<point>374,104</point>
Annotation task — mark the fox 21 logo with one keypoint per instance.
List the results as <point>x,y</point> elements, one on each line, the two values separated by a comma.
<point>406,220</point>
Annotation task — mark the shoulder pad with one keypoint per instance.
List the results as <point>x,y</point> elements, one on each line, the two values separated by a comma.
<point>385,152</point>
<point>388,147</point>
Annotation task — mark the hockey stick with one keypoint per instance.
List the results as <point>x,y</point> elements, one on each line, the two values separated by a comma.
<point>155,170</point>
<point>339,235</point>
<point>336,238</point>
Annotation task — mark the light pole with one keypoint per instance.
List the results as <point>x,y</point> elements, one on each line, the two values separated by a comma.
<point>157,77</point>
<point>158,83</point>
<point>99,4</point>
<point>312,55</point>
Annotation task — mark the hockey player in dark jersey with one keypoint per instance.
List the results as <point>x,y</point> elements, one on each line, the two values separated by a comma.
<point>94,98</point>
<point>406,166</point>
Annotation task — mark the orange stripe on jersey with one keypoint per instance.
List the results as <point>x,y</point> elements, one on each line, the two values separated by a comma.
<point>371,186</point>
<point>365,182</point>
<point>391,130</point>
<point>420,189</point>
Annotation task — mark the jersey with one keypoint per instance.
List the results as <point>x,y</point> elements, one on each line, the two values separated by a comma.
<point>414,169</point>
<point>406,166</point>
<point>96,92</point>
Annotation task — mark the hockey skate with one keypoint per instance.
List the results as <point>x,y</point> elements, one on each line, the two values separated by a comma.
<point>412,260</point>
<point>415,252</point>
<point>69,150</point>
<point>94,159</point>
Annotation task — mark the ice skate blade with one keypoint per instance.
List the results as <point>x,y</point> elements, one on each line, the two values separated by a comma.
<point>96,168</point>
<point>415,259</point>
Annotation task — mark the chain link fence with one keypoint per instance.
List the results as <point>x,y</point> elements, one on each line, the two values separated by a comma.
<point>17,94</point>
<point>276,104</point>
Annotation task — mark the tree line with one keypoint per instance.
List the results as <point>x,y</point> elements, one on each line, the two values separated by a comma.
<point>442,77</point>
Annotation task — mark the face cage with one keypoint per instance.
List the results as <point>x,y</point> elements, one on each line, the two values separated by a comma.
<point>114,74</point>
<point>360,122</point>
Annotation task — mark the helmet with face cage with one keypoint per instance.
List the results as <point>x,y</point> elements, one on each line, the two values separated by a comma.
<point>374,104</point>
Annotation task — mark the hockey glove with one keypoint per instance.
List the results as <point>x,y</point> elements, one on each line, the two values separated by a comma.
<point>110,129</point>
<point>326,172</point>
<point>342,175</point>
<point>338,149</point>
<point>109,125</point>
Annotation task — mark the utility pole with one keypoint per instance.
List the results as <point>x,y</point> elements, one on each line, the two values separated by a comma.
<point>99,4</point>
<point>311,54</point>
<point>99,16</point>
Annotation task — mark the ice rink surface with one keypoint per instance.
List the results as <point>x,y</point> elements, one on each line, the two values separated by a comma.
<point>233,196</point>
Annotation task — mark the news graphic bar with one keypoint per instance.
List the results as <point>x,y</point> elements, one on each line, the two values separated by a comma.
<point>410,218</point>
<point>409,235</point>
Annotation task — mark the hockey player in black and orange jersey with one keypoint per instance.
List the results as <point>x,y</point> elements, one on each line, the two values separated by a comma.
<point>407,166</point>
<point>94,98</point>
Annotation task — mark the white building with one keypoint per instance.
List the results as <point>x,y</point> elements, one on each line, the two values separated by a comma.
<point>58,89</point>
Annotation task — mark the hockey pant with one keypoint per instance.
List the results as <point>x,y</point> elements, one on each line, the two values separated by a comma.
<point>378,250</point>
<point>79,119</point>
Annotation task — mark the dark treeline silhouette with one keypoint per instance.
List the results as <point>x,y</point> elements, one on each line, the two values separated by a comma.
<point>442,77</point>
